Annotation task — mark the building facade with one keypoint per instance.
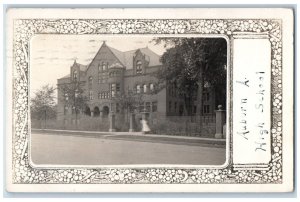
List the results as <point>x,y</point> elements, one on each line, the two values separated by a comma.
<point>113,74</point>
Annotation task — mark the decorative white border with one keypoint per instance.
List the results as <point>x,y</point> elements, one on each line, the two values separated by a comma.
<point>23,173</point>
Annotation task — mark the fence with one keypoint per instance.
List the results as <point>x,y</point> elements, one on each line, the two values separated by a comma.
<point>168,125</point>
<point>185,125</point>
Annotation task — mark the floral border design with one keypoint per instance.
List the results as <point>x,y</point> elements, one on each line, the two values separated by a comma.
<point>23,173</point>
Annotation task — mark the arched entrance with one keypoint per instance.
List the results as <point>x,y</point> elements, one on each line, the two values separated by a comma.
<point>96,112</point>
<point>87,111</point>
<point>105,111</point>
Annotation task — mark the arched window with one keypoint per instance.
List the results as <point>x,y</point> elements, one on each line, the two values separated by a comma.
<point>75,75</point>
<point>138,89</point>
<point>139,67</point>
<point>90,81</point>
<point>104,66</point>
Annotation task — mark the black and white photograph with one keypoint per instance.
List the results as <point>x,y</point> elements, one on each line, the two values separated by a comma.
<point>183,100</point>
<point>98,100</point>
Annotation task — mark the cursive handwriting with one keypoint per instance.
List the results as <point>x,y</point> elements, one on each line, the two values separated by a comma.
<point>244,130</point>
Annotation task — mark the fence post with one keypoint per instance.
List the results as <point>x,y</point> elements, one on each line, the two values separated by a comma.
<point>131,127</point>
<point>112,123</point>
<point>220,120</point>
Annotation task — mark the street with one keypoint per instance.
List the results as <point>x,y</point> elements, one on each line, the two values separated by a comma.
<point>109,149</point>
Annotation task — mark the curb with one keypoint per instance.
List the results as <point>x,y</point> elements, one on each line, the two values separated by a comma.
<point>140,136</point>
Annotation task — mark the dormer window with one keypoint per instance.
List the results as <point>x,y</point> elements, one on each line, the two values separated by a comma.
<point>139,67</point>
<point>75,75</point>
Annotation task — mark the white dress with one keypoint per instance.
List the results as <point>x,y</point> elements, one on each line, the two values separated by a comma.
<point>145,127</point>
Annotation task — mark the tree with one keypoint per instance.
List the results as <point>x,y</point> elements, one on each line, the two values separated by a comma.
<point>189,63</point>
<point>43,106</point>
<point>73,97</point>
<point>128,102</point>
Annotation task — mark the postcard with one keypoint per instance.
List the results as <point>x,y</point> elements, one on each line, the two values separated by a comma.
<point>149,100</point>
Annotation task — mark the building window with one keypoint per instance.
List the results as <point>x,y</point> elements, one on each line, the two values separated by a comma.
<point>148,107</point>
<point>104,66</point>
<point>175,106</point>
<point>131,109</point>
<point>103,77</point>
<point>91,95</point>
<point>118,89</point>
<point>114,74</point>
<point>151,87</point>
<point>195,109</point>
<point>112,106</point>
<point>138,67</point>
<point>154,106</point>
<point>181,108</point>
<point>90,81</point>
<point>175,89</point>
<point>145,89</point>
<point>138,89</point>
<point>104,95</point>
<point>170,106</point>
<point>66,97</point>
<point>75,75</point>
<point>206,96</point>
<point>117,108</point>
<point>206,109</point>
<point>115,89</point>
<point>141,107</point>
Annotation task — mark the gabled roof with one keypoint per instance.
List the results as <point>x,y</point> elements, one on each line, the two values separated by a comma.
<point>82,67</point>
<point>127,57</point>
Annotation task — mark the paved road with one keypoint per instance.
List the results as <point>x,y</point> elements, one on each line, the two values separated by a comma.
<point>104,149</point>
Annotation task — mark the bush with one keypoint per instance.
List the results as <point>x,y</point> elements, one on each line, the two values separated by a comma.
<point>88,124</point>
<point>181,127</point>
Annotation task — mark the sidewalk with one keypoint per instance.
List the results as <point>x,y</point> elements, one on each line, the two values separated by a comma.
<point>140,136</point>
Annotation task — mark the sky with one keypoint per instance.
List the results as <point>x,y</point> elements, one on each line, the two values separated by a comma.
<point>52,55</point>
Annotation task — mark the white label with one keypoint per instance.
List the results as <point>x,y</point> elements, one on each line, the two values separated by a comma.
<point>251,101</point>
